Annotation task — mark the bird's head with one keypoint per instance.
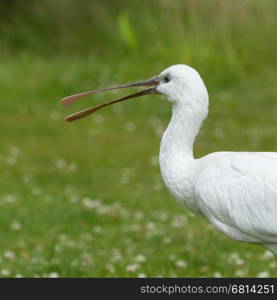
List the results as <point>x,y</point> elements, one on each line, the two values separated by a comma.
<point>180,84</point>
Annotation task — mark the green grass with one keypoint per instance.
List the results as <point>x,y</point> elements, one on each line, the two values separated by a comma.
<point>86,199</point>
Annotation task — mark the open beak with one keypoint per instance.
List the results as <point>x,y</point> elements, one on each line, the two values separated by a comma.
<point>153,82</point>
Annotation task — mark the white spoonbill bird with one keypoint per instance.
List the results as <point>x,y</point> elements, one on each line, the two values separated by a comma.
<point>235,191</point>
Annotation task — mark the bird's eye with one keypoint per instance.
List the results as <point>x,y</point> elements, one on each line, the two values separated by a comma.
<point>167,78</point>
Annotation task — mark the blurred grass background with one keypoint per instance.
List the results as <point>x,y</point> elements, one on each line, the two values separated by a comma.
<point>86,199</point>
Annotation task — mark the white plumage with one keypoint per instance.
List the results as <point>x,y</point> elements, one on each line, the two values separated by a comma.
<point>235,191</point>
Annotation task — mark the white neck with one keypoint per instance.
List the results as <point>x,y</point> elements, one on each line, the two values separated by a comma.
<point>176,152</point>
<point>179,137</point>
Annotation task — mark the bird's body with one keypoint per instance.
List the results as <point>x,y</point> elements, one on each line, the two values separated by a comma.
<point>230,190</point>
<point>235,191</point>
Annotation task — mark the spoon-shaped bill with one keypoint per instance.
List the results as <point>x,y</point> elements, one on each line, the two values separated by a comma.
<point>88,111</point>
<point>70,99</point>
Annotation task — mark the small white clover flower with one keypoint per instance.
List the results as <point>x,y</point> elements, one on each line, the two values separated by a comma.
<point>5,272</point>
<point>53,275</point>
<point>15,226</point>
<point>132,268</point>
<point>263,274</point>
<point>140,258</point>
<point>9,255</point>
<point>181,264</point>
<point>217,274</point>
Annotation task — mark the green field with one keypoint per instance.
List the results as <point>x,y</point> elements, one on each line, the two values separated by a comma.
<point>86,198</point>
